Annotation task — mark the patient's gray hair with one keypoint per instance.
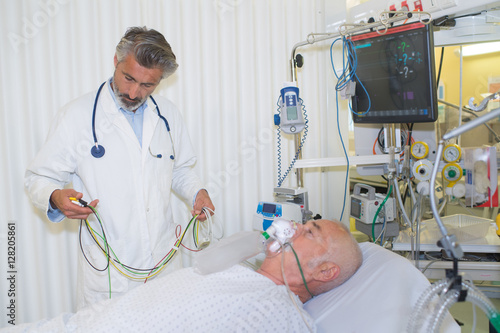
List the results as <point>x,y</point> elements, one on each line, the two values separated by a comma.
<point>149,48</point>
<point>344,252</point>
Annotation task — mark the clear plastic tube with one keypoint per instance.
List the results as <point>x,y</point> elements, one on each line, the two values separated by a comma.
<point>475,296</point>
<point>417,315</point>
<point>401,206</point>
<point>474,318</point>
<point>450,298</point>
<point>417,220</point>
<point>412,192</point>
<point>416,318</point>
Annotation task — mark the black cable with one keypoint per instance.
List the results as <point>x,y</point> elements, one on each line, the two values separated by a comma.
<point>380,144</point>
<point>83,252</point>
<point>410,132</point>
<point>102,230</point>
<point>440,67</point>
<point>118,261</point>
<point>114,259</point>
<point>107,252</point>
<point>405,194</point>
<point>381,139</point>
<point>468,15</point>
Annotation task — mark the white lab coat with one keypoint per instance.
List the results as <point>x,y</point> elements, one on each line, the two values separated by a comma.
<point>133,187</point>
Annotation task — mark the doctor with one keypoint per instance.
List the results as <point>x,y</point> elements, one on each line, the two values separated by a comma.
<point>122,149</point>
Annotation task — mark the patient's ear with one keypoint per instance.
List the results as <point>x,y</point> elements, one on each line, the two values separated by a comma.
<point>327,271</point>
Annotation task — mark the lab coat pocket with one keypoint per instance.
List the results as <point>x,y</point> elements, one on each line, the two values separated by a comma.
<point>96,279</point>
<point>158,173</point>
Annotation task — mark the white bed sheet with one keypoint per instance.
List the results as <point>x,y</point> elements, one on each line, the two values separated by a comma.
<point>378,298</point>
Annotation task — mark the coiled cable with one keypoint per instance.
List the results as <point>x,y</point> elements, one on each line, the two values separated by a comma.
<point>299,149</point>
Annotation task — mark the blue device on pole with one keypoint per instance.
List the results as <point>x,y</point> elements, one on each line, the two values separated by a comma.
<point>292,120</point>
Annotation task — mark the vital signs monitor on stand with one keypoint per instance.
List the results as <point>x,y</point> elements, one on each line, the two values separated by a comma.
<point>395,75</point>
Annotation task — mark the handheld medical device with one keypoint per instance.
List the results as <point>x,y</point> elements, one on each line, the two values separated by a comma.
<point>291,118</point>
<point>268,212</point>
<point>364,206</point>
<point>98,150</point>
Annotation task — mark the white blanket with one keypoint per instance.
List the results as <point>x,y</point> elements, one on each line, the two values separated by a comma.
<point>234,300</point>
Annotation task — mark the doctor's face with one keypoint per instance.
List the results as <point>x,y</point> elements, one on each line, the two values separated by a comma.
<point>132,83</point>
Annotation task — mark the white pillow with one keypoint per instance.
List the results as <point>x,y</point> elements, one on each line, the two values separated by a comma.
<point>378,298</point>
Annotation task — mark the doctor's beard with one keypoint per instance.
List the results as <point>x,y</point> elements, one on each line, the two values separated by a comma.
<point>126,102</point>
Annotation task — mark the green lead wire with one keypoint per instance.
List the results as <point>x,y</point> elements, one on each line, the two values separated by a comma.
<point>378,211</point>
<point>300,269</point>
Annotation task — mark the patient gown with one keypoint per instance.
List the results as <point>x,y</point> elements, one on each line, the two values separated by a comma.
<point>235,300</point>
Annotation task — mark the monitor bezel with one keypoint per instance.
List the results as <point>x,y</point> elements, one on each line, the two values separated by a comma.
<point>430,79</point>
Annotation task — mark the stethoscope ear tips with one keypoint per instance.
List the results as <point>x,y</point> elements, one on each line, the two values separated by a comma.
<point>97,151</point>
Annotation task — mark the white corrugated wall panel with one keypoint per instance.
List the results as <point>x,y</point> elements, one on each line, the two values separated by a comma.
<point>233,56</point>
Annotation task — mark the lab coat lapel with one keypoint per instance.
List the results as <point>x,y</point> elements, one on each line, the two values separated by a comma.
<point>114,115</point>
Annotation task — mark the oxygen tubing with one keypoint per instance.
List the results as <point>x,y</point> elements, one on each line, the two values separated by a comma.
<point>416,318</point>
<point>474,295</point>
<point>450,298</point>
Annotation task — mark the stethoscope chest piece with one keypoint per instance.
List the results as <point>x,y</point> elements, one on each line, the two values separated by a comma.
<point>97,151</point>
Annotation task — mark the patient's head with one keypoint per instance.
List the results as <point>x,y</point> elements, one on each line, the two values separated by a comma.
<point>328,255</point>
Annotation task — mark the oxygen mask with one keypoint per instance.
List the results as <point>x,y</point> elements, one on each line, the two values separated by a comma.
<point>278,234</point>
<point>244,245</point>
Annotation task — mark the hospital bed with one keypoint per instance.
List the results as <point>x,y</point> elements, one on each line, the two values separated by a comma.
<point>378,298</point>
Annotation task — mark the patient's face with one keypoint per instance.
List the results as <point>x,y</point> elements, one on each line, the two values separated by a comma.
<point>314,239</point>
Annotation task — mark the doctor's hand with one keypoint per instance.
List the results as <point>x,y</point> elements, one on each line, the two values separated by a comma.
<point>60,199</point>
<point>202,200</point>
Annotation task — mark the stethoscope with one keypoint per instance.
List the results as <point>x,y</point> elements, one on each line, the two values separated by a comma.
<point>98,151</point>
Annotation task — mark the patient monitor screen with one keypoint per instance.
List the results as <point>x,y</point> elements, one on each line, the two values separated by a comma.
<point>397,71</point>
<point>268,208</point>
<point>356,208</point>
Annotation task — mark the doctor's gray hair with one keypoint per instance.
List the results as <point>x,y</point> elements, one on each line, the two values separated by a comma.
<point>149,48</point>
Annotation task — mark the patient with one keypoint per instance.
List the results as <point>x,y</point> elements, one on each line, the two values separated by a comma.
<point>237,299</point>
